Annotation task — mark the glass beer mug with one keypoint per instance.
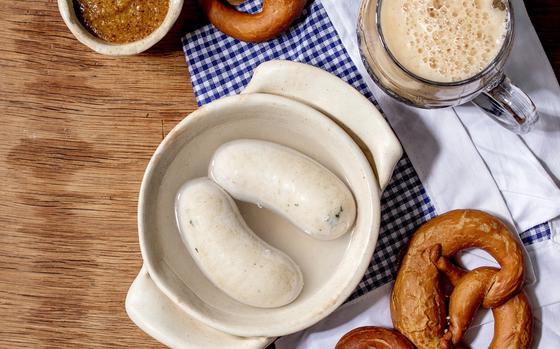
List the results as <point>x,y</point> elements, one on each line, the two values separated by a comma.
<point>487,87</point>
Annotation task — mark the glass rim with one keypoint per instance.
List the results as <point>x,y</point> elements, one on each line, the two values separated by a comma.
<point>500,56</point>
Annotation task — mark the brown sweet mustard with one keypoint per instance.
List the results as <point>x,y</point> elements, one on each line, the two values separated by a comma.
<point>121,21</point>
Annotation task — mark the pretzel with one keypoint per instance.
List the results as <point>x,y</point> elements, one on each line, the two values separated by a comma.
<point>236,2</point>
<point>417,303</point>
<point>276,16</point>
<point>373,338</point>
<point>513,321</point>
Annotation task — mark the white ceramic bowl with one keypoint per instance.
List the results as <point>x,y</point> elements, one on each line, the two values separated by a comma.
<point>66,8</point>
<point>331,269</point>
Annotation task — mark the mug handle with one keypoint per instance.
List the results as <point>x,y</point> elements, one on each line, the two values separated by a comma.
<point>509,106</point>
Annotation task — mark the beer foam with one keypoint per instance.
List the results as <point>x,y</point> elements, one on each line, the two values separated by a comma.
<point>444,40</point>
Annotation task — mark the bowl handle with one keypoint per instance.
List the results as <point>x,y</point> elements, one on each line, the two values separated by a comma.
<point>162,319</point>
<point>338,100</point>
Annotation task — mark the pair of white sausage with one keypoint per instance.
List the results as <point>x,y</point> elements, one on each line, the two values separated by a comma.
<point>227,251</point>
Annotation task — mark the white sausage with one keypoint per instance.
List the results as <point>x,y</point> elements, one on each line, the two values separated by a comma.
<point>229,253</point>
<point>287,182</point>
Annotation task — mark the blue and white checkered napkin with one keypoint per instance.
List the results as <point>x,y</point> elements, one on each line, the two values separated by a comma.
<point>221,66</point>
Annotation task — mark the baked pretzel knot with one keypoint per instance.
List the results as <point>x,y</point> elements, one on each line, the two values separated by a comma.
<point>373,338</point>
<point>276,16</point>
<point>513,321</point>
<point>417,304</point>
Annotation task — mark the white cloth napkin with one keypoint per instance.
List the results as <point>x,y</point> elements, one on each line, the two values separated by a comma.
<point>460,154</point>
<point>372,309</point>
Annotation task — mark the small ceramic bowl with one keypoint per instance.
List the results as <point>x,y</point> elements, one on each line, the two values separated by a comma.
<point>66,8</point>
<point>331,269</point>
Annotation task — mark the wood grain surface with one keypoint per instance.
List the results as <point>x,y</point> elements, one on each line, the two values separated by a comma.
<point>77,131</point>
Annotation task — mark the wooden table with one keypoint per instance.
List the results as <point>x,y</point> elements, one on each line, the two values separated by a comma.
<point>77,131</point>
